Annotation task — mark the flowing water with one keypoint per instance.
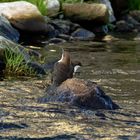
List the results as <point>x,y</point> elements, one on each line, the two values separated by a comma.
<point>114,66</point>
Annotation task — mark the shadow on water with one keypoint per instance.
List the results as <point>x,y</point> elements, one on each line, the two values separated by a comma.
<point>4,126</point>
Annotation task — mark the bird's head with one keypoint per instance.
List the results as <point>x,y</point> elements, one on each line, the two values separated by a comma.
<point>65,58</point>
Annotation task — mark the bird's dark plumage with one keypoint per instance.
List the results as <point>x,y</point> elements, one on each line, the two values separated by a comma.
<point>62,69</point>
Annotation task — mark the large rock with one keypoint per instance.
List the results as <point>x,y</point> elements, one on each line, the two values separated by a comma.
<point>53,7</point>
<point>7,30</point>
<point>80,93</point>
<point>96,13</point>
<point>15,48</point>
<point>135,14</point>
<point>119,6</point>
<point>24,16</point>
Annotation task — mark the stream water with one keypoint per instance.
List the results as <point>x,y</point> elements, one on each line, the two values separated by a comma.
<point>114,66</point>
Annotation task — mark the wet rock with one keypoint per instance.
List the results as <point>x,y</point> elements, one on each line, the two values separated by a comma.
<point>15,48</point>
<point>64,26</point>
<point>135,14</point>
<point>83,34</point>
<point>49,66</point>
<point>128,24</point>
<point>38,69</point>
<point>53,7</point>
<point>65,37</point>
<point>52,32</point>
<point>109,38</point>
<point>97,13</point>
<point>24,16</point>
<point>123,26</point>
<point>80,93</point>
<point>131,20</point>
<point>56,41</point>
<point>119,6</point>
<point>85,93</point>
<point>137,38</point>
<point>100,114</point>
<point>34,53</point>
<point>7,30</point>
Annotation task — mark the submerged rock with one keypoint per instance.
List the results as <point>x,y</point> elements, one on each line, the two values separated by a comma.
<point>24,16</point>
<point>7,31</point>
<point>65,37</point>
<point>56,41</point>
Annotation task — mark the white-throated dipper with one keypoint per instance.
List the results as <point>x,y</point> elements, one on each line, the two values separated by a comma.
<point>63,69</point>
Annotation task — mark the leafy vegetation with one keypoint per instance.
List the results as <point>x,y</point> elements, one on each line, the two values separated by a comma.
<point>134,4</point>
<point>7,0</point>
<point>39,3</point>
<point>15,64</point>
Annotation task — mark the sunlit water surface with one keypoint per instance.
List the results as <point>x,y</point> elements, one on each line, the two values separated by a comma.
<point>114,66</point>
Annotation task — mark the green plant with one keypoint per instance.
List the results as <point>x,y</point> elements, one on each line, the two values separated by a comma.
<point>134,4</point>
<point>15,65</point>
<point>7,0</point>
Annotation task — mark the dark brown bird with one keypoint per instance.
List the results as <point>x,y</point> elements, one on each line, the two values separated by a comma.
<point>63,69</point>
